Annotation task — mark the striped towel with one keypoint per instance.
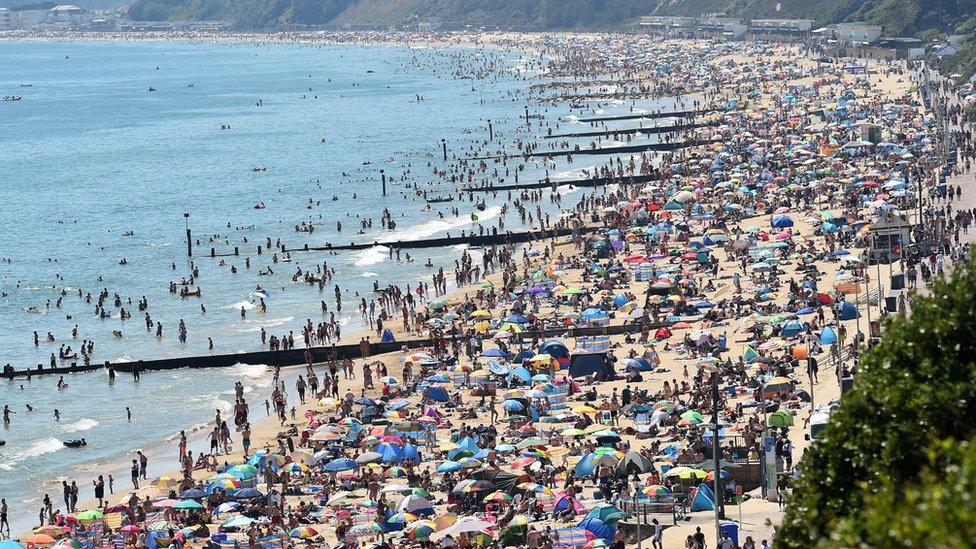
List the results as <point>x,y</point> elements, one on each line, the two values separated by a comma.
<point>113,520</point>
<point>570,537</point>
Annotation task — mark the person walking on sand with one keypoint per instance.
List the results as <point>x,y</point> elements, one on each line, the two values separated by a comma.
<point>143,463</point>
<point>99,490</point>
<point>135,474</point>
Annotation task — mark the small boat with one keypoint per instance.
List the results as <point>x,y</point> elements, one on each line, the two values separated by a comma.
<point>11,98</point>
<point>259,206</point>
<point>3,442</point>
<point>152,89</point>
<point>27,85</point>
<point>75,443</point>
<point>438,199</point>
<point>259,169</point>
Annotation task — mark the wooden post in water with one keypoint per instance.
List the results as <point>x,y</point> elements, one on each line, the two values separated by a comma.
<point>189,241</point>
<point>383,176</point>
<point>444,147</point>
<point>491,132</point>
<point>526,115</point>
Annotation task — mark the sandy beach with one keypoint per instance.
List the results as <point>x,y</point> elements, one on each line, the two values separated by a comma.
<point>741,271</point>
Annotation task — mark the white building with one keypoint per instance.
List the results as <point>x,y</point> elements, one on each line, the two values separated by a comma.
<point>727,26</point>
<point>666,22</point>
<point>5,19</point>
<point>781,26</point>
<point>858,33</point>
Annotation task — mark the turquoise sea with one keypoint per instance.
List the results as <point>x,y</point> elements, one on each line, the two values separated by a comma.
<point>97,169</point>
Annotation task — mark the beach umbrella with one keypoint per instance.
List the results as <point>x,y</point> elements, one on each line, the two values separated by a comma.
<point>226,507</point>
<point>239,521</point>
<point>685,473</point>
<point>369,457</point>
<point>248,493</point>
<point>51,530</point>
<point>38,539</point>
<point>401,518</point>
<point>416,505</point>
<point>161,526</point>
<point>304,532</point>
<point>340,464</point>
<point>243,471</point>
<point>498,496</point>
<point>521,520</point>
<point>513,406</point>
<point>420,530</point>
<point>656,491</point>
<point>535,487</point>
<point>164,482</point>
<point>693,416</point>
<point>91,514</point>
<point>193,493</point>
<point>448,467</point>
<point>10,544</point>
<point>188,504</point>
<point>465,525</point>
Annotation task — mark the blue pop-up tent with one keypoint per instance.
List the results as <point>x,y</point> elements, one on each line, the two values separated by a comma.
<point>704,500</point>
<point>847,311</point>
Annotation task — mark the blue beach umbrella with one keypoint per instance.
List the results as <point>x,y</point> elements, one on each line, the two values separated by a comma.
<point>341,464</point>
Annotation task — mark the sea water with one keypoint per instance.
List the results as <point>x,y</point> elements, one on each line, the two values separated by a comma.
<point>97,169</point>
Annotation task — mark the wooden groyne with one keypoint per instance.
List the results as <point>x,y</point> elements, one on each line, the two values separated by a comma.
<point>633,131</point>
<point>673,114</point>
<point>545,183</point>
<point>624,149</point>
<point>493,239</point>
<point>294,357</point>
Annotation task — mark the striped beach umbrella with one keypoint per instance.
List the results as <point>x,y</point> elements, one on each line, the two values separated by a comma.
<point>304,532</point>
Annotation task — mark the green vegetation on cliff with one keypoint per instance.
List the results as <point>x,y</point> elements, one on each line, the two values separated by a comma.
<point>895,466</point>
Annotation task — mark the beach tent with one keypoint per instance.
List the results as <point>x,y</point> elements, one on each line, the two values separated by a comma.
<point>607,512</point>
<point>639,364</point>
<point>635,462</point>
<point>703,500</point>
<point>437,394</point>
<point>792,328</point>
<point>585,364</point>
<point>502,480</point>
<point>782,221</point>
<point>828,336</point>
<point>525,355</point>
<point>847,311</point>
<point>387,336</point>
<point>554,348</point>
<point>564,502</point>
<point>598,528</point>
<point>521,374</point>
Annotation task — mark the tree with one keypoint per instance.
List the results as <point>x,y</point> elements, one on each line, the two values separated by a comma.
<point>914,390</point>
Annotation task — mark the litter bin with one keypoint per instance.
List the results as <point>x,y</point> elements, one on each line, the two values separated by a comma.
<point>732,529</point>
